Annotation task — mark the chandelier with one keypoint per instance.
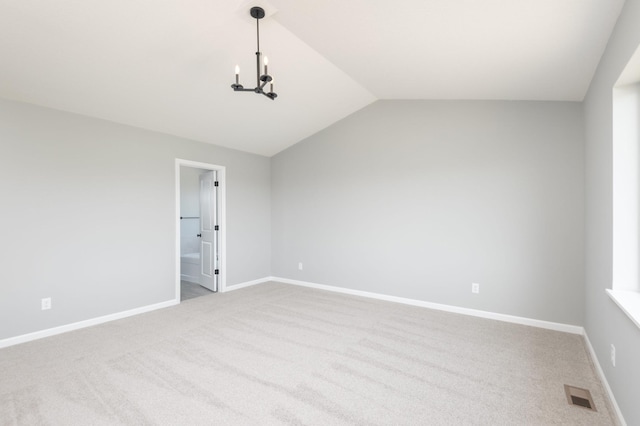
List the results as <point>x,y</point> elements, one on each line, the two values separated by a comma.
<point>261,79</point>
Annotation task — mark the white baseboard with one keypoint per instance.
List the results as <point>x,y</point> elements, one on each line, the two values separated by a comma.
<point>83,324</point>
<point>603,379</point>
<point>567,328</point>
<point>448,308</point>
<point>247,284</point>
<point>477,313</point>
<point>11,341</point>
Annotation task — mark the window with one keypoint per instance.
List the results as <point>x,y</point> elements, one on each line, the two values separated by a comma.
<point>625,289</point>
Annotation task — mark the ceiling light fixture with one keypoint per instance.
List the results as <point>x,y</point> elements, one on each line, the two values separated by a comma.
<point>261,80</point>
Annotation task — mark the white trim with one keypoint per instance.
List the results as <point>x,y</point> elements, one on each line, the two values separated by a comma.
<point>603,379</point>
<point>567,328</point>
<point>248,284</point>
<point>472,312</point>
<point>628,301</point>
<point>83,324</point>
<point>222,216</point>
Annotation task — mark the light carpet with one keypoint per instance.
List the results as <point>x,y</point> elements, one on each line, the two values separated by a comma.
<point>281,354</point>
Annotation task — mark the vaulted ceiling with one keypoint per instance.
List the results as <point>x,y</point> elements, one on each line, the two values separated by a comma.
<point>168,65</point>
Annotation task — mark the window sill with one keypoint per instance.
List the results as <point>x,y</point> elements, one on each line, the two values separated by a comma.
<point>629,302</point>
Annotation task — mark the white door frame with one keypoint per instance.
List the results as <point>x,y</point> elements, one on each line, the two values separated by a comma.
<point>222,220</point>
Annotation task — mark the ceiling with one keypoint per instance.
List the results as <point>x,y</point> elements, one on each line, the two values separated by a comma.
<point>168,65</point>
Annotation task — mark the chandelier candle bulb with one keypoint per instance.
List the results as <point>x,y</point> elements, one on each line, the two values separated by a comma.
<point>237,74</point>
<point>266,62</point>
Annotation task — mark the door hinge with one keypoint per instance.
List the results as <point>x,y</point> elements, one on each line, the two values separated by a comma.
<point>215,183</point>
<point>216,228</point>
<point>216,272</point>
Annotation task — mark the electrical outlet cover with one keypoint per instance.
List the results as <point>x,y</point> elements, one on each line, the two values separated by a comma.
<point>613,355</point>
<point>46,303</point>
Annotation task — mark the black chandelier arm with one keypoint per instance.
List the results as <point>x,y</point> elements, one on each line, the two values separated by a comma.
<point>239,88</point>
<point>270,95</point>
<point>265,79</point>
<point>259,90</point>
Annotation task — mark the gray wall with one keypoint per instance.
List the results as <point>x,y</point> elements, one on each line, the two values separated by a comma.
<point>604,322</point>
<point>88,216</point>
<point>419,199</point>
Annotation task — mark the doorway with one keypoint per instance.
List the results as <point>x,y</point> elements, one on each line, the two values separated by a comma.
<point>200,229</point>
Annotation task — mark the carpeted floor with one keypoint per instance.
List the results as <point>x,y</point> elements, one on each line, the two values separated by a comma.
<point>280,354</point>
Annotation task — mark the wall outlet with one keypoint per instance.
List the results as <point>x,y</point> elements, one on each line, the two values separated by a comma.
<point>475,288</point>
<point>613,355</point>
<point>46,303</point>
<point>300,266</point>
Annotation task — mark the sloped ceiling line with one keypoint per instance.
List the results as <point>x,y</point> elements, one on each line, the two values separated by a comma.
<point>168,66</point>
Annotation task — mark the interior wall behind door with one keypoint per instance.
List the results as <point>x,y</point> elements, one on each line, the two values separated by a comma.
<point>189,209</point>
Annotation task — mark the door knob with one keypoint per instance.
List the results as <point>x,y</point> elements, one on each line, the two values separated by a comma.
<point>199,235</point>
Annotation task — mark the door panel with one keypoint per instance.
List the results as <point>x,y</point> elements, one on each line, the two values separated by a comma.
<point>207,259</point>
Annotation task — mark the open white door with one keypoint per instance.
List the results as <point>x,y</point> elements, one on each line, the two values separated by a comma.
<point>209,244</point>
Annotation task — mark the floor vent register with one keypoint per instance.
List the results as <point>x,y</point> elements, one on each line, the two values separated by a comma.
<point>580,397</point>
